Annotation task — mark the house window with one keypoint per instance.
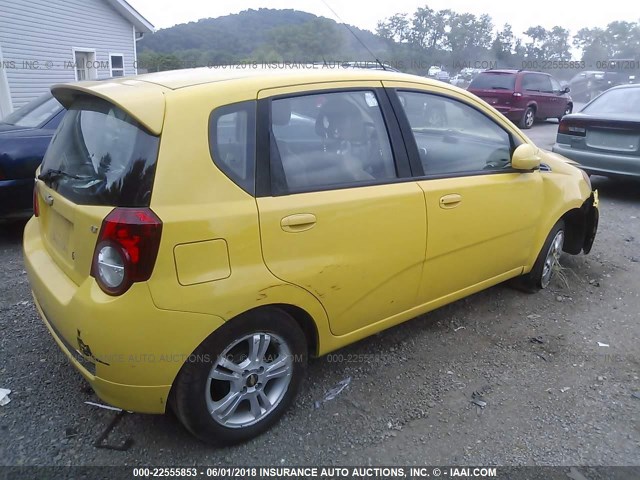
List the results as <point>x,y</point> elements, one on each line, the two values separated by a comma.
<point>117,65</point>
<point>85,63</point>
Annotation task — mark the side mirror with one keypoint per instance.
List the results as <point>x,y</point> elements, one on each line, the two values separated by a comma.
<point>525,158</point>
<point>566,90</point>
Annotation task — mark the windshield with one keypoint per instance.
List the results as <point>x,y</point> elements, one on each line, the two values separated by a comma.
<point>624,101</point>
<point>494,81</point>
<point>35,113</point>
<point>101,156</point>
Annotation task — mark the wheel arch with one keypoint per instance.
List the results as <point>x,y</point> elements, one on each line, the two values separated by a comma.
<point>303,318</point>
<point>307,325</point>
<point>306,322</point>
<point>581,226</point>
<point>575,222</point>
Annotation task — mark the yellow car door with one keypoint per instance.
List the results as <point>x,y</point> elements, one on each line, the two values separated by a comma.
<point>481,213</point>
<point>339,214</point>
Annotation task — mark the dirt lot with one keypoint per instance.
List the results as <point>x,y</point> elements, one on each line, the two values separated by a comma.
<point>561,399</point>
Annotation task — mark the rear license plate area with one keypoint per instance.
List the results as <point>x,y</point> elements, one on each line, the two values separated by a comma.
<point>59,232</point>
<point>618,141</point>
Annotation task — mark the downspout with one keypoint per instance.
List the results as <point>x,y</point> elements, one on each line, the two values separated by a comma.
<point>6,106</point>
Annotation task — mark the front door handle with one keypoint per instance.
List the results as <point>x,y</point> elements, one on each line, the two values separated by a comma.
<point>299,222</point>
<point>450,201</point>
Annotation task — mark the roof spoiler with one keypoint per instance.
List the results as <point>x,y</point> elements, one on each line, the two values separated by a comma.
<point>144,101</point>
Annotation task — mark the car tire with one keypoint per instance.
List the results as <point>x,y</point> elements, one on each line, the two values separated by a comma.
<point>528,118</point>
<point>567,111</point>
<point>545,265</point>
<point>228,391</point>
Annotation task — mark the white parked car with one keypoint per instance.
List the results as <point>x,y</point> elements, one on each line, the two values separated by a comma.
<point>434,70</point>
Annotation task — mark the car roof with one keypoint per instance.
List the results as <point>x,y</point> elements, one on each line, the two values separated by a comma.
<point>143,96</point>
<point>500,71</point>
<point>512,71</point>
<point>621,87</point>
<point>273,76</point>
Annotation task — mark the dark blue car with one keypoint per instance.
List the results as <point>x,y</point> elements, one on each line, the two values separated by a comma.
<point>24,137</point>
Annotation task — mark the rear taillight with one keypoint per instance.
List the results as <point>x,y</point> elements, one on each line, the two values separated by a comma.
<point>127,249</point>
<point>569,127</point>
<point>36,205</point>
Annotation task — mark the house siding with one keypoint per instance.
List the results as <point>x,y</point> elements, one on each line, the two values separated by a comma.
<point>46,31</point>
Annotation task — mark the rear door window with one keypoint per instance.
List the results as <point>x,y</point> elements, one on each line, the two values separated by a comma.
<point>534,82</point>
<point>529,83</point>
<point>100,155</point>
<point>545,84</point>
<point>329,140</point>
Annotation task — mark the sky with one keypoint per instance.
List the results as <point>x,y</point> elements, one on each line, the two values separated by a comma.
<point>570,14</point>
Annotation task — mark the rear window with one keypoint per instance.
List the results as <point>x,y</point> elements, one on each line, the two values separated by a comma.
<point>35,113</point>
<point>100,155</point>
<point>623,101</point>
<point>493,81</point>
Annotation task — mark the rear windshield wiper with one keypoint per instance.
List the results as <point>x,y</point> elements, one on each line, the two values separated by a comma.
<point>500,88</point>
<point>53,174</point>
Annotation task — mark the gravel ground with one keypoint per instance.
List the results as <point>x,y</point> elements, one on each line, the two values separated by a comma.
<point>558,400</point>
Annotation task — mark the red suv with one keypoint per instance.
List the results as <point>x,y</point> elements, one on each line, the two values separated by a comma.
<point>523,96</point>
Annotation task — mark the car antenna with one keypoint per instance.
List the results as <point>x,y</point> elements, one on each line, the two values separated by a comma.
<point>354,35</point>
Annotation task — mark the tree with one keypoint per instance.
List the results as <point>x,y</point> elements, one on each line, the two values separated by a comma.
<point>535,48</point>
<point>591,41</point>
<point>556,45</point>
<point>503,44</point>
<point>158,62</point>
<point>483,32</point>
<point>428,27</point>
<point>623,39</point>
<point>395,28</point>
<point>308,42</point>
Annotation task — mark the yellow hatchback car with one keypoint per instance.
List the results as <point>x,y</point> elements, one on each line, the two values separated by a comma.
<point>198,233</point>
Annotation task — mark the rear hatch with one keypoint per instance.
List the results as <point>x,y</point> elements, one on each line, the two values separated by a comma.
<point>495,88</point>
<point>101,157</point>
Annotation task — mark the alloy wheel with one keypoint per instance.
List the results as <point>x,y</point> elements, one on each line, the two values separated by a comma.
<point>552,260</point>
<point>529,118</point>
<point>248,380</point>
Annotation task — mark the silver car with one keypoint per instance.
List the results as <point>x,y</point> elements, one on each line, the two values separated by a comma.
<point>604,137</point>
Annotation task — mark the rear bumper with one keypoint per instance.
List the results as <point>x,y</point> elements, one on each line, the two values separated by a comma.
<point>601,163</point>
<point>128,397</point>
<point>128,350</point>
<point>16,198</point>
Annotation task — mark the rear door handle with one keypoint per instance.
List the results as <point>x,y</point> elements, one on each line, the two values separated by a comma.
<point>299,222</point>
<point>450,201</point>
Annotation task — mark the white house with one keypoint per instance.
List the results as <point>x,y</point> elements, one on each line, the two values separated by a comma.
<point>43,42</point>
